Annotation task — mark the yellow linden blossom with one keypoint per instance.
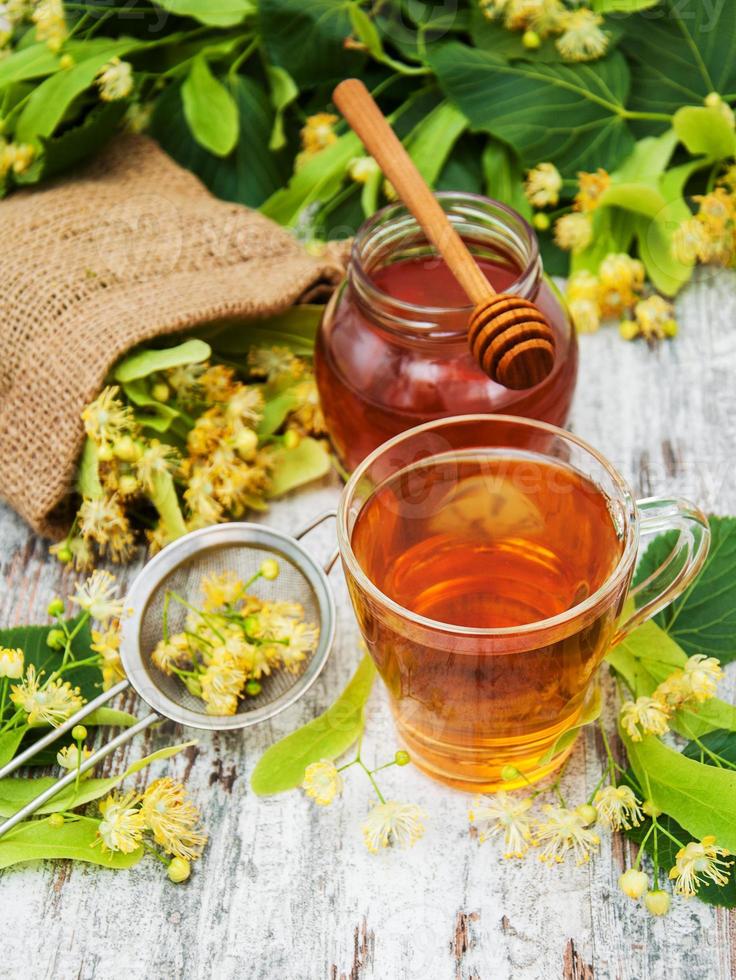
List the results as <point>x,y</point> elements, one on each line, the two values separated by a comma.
<point>48,17</point>
<point>564,832</point>
<point>107,418</point>
<point>96,596</point>
<point>15,157</point>
<point>322,782</point>
<point>45,705</point>
<point>591,188</point>
<point>265,362</point>
<point>115,80</point>
<point>583,289</point>
<point>618,807</point>
<point>103,520</point>
<point>695,682</point>
<point>222,683</point>
<point>654,320</point>
<point>173,819</point>
<point>582,38</point>
<point>71,758</point>
<point>107,644</point>
<point>174,652</point>
<point>218,383</point>
<point>542,186</point>
<point>11,663</point>
<point>122,824</point>
<point>221,590</point>
<point>542,16</point>
<point>362,169</point>
<point>573,232</point>
<point>645,716</point>
<point>393,823</point>
<point>697,861</point>
<point>621,280</point>
<point>507,816</point>
<point>316,135</point>
<point>156,460</point>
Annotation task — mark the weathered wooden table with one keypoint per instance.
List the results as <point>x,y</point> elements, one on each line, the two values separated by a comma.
<point>287,891</point>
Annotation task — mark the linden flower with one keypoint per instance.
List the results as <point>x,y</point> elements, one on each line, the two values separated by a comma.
<point>106,419</point>
<point>11,663</point>
<point>173,819</point>
<point>645,716</point>
<point>221,590</point>
<point>621,279</point>
<point>564,832</point>
<point>362,169</point>
<point>222,683</point>
<point>302,640</point>
<point>269,363</point>
<point>573,232</point>
<point>633,883</point>
<point>583,289</point>
<point>654,320</point>
<point>542,185</point>
<point>322,782</point>
<point>542,16</point>
<point>48,17</point>
<point>618,807</point>
<point>95,596</point>
<point>107,644</point>
<point>583,39</point>
<point>218,384</point>
<point>245,408</point>
<point>698,861</point>
<point>185,380</point>
<point>115,80</point>
<point>393,823</point>
<point>507,816</point>
<point>690,242</point>
<point>15,157</point>
<point>155,460</point>
<point>591,188</point>
<point>71,758</point>
<point>702,675</point>
<point>717,215</point>
<point>48,705</point>
<point>199,495</point>
<point>122,824</point>
<point>174,652</point>
<point>318,133</point>
<point>104,521</point>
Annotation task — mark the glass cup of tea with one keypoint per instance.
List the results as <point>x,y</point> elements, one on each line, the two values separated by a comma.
<point>489,560</point>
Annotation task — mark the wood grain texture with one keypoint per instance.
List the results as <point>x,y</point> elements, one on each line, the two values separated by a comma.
<point>287,891</point>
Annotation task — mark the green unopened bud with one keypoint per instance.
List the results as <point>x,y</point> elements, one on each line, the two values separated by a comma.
<point>541,221</point>
<point>66,62</point>
<point>712,100</point>
<point>179,870</point>
<point>246,443</point>
<point>651,809</point>
<point>79,733</point>
<point>658,902</point>
<point>509,773</point>
<point>56,820</point>
<point>161,391</point>
<point>402,758</point>
<point>252,626</point>
<point>633,883</point>
<point>64,554</point>
<point>127,449</point>
<point>291,439</point>
<point>531,40</point>
<point>587,813</point>
<point>56,639</point>
<point>253,688</point>
<point>55,607</point>
<point>270,569</point>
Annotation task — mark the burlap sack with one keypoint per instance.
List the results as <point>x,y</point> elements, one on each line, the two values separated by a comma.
<point>132,247</point>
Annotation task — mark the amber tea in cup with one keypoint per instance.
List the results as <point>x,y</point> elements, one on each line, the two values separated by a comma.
<point>488,559</point>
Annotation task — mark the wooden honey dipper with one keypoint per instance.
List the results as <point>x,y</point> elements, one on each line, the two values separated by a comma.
<point>510,338</point>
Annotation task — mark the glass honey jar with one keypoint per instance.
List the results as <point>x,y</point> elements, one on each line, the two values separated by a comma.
<point>392,349</point>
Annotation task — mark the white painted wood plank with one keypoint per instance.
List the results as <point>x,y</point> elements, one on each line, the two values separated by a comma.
<point>288,891</point>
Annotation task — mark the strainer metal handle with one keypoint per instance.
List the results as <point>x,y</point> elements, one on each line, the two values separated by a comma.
<point>326,515</point>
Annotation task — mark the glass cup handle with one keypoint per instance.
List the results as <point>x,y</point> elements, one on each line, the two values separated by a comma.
<point>657,516</point>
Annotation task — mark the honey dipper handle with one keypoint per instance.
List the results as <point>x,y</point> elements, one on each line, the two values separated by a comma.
<point>359,108</point>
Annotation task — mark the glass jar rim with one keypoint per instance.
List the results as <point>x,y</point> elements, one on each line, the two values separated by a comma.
<point>581,609</point>
<point>413,309</point>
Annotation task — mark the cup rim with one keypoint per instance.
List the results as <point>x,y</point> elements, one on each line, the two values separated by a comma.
<point>621,570</point>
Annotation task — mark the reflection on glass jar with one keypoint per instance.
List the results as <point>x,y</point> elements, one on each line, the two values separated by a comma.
<point>392,348</point>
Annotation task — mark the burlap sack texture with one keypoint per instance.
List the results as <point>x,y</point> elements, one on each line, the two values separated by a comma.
<point>130,248</point>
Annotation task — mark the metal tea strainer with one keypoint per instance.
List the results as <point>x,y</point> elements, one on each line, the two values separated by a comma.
<point>180,567</point>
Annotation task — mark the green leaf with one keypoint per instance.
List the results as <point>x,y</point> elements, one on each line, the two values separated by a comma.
<point>647,657</point>
<point>88,477</point>
<point>111,718</point>
<point>77,839</point>
<point>504,176</point>
<point>248,175</point>
<point>701,798</point>
<point>294,467</point>
<point>654,240</point>
<point>649,158</point>
<point>591,713</point>
<point>430,143</point>
<point>621,6</point>
<point>283,92</point>
<point>214,13</point>
<point>366,31</point>
<point>718,743</point>
<point>16,792</point>
<point>166,502</point>
<point>275,411</point>
<point>295,328</point>
<point>679,53</point>
<point>308,39</point>
<point>145,362</point>
<point>326,737</point>
<point>76,143</point>
<point>209,109</point>
<point>32,62</point>
<point>9,742</point>
<point>705,130</point>
<point>703,619</point>
<point>157,415</point>
<point>569,114</point>
<point>50,100</point>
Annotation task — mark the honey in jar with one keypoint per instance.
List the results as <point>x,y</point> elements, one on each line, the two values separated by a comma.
<point>392,349</point>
